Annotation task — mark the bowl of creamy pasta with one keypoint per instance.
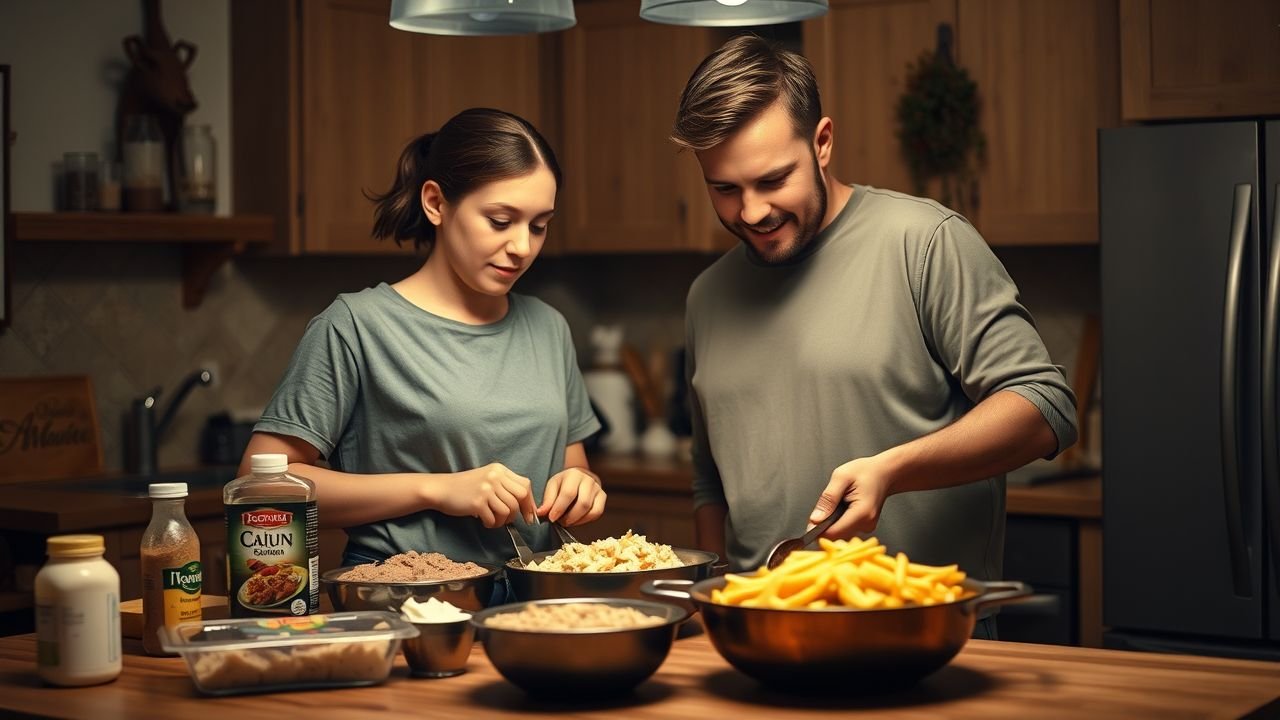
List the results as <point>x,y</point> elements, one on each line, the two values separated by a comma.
<point>578,647</point>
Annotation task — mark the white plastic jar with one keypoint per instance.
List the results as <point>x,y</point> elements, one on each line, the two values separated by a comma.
<point>77,613</point>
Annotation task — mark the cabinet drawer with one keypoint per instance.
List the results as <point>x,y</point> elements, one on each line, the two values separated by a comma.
<point>1038,623</point>
<point>1040,552</point>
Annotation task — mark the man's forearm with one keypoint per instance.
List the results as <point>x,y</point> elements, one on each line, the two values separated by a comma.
<point>999,434</point>
<point>708,525</point>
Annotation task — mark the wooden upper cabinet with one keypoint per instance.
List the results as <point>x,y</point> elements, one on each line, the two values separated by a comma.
<point>861,50</point>
<point>1045,71</point>
<point>627,187</point>
<point>507,73</point>
<point>1046,77</point>
<point>326,95</point>
<point>359,83</point>
<point>1199,58</point>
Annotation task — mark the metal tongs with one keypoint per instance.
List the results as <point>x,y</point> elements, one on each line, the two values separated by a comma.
<point>522,548</point>
<point>566,537</point>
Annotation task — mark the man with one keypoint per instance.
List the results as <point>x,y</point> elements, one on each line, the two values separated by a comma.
<point>859,343</point>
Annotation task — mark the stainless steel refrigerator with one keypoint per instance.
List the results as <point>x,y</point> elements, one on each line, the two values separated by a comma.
<point>1190,280</point>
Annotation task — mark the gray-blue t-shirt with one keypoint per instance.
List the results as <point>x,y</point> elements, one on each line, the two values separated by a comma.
<point>379,385</point>
<point>892,324</point>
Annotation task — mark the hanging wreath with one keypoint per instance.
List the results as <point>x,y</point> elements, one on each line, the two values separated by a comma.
<point>938,125</point>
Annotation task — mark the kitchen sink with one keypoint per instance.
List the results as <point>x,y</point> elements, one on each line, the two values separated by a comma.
<point>136,485</point>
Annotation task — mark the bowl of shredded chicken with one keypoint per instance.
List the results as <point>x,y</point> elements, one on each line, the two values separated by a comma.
<point>613,567</point>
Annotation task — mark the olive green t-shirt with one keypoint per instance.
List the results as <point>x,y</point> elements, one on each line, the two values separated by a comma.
<point>379,385</point>
<point>894,322</point>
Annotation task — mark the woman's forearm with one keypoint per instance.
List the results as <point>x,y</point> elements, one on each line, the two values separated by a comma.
<point>348,499</point>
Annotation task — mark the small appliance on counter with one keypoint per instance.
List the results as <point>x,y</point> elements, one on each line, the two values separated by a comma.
<point>225,437</point>
<point>611,391</point>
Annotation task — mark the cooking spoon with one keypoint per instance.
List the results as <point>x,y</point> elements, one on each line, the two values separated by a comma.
<point>786,547</point>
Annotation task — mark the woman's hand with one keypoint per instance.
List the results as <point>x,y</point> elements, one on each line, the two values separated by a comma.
<point>573,497</point>
<point>493,493</point>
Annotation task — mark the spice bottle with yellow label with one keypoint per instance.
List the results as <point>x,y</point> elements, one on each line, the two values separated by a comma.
<point>273,541</point>
<point>172,575</point>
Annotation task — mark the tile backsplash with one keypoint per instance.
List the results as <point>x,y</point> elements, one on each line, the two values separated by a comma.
<point>114,312</point>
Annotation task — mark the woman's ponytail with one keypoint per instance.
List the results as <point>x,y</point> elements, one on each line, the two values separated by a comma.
<point>398,213</point>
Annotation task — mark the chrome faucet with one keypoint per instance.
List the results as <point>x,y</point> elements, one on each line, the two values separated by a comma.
<point>143,433</point>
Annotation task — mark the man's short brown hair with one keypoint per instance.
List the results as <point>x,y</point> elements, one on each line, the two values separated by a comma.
<point>739,81</point>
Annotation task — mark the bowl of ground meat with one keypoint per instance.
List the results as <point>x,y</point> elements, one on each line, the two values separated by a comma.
<point>386,585</point>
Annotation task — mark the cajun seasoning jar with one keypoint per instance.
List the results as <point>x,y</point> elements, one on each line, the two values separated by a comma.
<point>77,613</point>
<point>172,575</point>
<point>273,541</point>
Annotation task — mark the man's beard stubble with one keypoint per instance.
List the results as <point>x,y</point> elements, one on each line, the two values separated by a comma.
<point>804,233</point>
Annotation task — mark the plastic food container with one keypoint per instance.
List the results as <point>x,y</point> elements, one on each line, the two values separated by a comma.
<point>227,657</point>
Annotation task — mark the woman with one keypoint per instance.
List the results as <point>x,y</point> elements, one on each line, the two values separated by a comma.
<point>446,405</point>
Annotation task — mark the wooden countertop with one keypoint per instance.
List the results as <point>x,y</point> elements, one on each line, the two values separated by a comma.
<point>987,679</point>
<point>1075,498</point>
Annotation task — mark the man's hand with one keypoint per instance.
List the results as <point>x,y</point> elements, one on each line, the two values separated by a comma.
<point>573,497</point>
<point>865,483</point>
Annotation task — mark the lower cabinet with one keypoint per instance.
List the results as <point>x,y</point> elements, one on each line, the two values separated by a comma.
<point>1041,552</point>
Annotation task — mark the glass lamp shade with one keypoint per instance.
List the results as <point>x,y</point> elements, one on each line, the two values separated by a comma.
<point>730,13</point>
<point>482,17</point>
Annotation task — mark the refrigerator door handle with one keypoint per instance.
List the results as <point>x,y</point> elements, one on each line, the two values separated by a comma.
<point>1236,544</point>
<point>1270,371</point>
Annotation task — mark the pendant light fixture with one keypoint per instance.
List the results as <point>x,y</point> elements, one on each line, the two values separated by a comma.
<point>730,13</point>
<point>482,17</point>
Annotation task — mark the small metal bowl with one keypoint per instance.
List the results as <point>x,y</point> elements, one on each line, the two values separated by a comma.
<point>441,648</point>
<point>469,594</point>
<point>590,662</point>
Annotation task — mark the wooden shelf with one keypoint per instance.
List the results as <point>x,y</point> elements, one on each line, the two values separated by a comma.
<point>141,227</point>
<point>207,240</point>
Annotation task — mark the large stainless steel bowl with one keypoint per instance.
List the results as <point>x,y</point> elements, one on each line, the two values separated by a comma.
<point>471,593</point>
<point>580,663</point>
<point>841,649</point>
<point>543,585</point>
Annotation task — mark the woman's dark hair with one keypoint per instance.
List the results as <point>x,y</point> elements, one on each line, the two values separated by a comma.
<point>475,147</point>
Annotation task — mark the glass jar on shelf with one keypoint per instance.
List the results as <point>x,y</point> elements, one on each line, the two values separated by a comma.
<point>198,187</point>
<point>109,186</point>
<point>144,170</point>
<point>80,181</point>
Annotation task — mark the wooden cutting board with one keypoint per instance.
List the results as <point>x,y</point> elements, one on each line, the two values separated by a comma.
<point>48,428</point>
<point>212,607</point>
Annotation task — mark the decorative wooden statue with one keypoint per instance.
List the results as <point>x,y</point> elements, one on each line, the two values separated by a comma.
<point>157,86</point>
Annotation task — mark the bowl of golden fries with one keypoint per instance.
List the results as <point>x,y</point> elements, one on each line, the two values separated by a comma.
<point>849,616</point>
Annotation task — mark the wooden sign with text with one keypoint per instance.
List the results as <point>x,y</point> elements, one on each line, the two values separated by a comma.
<point>48,429</point>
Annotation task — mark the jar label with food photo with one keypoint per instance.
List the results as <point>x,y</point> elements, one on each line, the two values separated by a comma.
<point>273,559</point>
